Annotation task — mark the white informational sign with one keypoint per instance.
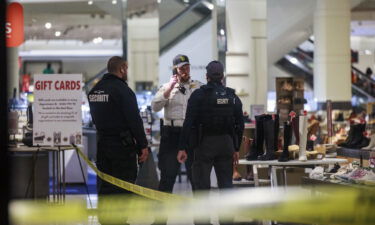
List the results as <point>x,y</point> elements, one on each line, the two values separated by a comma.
<point>57,113</point>
<point>256,110</point>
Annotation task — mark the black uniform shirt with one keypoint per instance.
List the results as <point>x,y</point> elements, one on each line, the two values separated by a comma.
<point>193,110</point>
<point>114,108</point>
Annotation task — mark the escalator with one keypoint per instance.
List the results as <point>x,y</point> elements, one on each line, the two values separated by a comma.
<point>192,16</point>
<point>299,63</point>
<point>177,20</point>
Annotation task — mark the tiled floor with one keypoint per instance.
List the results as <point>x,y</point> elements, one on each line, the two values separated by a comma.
<point>180,188</point>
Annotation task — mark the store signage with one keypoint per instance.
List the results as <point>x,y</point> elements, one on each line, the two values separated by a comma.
<point>256,110</point>
<point>14,25</point>
<point>57,109</point>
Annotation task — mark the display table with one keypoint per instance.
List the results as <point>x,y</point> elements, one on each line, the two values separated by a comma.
<point>360,154</point>
<point>58,167</point>
<point>273,164</point>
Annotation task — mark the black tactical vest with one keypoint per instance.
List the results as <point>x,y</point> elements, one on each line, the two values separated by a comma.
<point>217,110</point>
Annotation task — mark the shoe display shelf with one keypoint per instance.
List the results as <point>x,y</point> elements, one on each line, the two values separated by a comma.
<point>289,96</point>
<point>273,165</point>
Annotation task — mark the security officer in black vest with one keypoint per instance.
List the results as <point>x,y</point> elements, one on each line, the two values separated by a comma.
<point>217,112</point>
<point>120,132</point>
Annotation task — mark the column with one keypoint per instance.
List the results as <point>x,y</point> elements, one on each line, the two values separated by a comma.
<point>13,71</point>
<point>332,66</point>
<point>247,50</point>
<point>258,53</point>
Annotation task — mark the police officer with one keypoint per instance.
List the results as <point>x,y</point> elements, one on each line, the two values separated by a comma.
<point>217,112</point>
<point>173,97</point>
<point>120,132</point>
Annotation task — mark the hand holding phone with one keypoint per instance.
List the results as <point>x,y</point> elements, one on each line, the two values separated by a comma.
<point>173,81</point>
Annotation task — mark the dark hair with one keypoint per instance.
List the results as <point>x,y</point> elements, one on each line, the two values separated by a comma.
<point>114,64</point>
<point>216,78</point>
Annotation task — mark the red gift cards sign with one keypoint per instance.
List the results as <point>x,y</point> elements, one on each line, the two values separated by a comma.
<point>14,25</point>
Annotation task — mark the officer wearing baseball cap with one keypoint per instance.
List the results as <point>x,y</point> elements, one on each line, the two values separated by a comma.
<point>217,112</point>
<point>173,97</point>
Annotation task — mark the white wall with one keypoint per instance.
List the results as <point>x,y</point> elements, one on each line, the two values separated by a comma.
<point>366,48</point>
<point>289,24</point>
<point>197,46</point>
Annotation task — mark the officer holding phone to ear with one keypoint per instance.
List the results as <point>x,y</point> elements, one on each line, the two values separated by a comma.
<point>173,97</point>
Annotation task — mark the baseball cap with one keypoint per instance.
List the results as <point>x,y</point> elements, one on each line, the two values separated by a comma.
<point>180,60</point>
<point>215,69</point>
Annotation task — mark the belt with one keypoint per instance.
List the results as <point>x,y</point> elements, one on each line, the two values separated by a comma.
<point>174,123</point>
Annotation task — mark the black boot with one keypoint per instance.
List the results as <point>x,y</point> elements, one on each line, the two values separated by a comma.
<point>360,140</point>
<point>350,137</point>
<point>287,140</point>
<point>340,117</point>
<point>295,125</point>
<point>256,148</point>
<point>271,131</point>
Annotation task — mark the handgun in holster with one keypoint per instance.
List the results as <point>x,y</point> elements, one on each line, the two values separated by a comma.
<point>127,139</point>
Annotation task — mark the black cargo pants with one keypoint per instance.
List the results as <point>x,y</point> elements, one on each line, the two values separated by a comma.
<point>214,151</point>
<point>118,161</point>
<point>167,158</point>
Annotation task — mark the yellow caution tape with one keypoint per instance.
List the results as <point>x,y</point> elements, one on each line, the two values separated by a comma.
<point>329,206</point>
<point>142,191</point>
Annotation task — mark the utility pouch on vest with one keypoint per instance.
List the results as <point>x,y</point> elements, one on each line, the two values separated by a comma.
<point>127,139</point>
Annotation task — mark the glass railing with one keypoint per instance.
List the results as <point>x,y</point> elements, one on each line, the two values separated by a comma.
<point>301,61</point>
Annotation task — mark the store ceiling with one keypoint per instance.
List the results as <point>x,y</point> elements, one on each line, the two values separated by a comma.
<point>74,20</point>
<point>78,20</point>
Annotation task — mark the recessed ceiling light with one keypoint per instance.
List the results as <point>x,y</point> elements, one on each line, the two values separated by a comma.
<point>186,1</point>
<point>48,25</point>
<point>294,60</point>
<point>58,33</point>
<point>114,2</point>
<point>222,32</point>
<point>90,2</point>
<point>159,1</point>
<point>209,5</point>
